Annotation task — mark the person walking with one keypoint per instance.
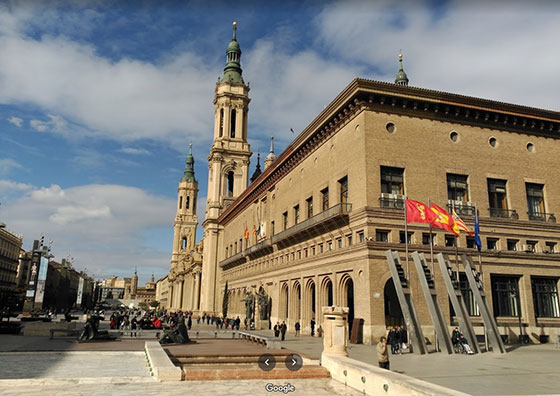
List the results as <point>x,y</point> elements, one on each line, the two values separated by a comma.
<point>297,326</point>
<point>382,353</point>
<point>277,329</point>
<point>283,329</point>
<point>133,326</point>
<point>312,324</point>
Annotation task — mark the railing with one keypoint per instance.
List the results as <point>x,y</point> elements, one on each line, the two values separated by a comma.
<point>503,213</point>
<point>462,210</point>
<point>391,203</point>
<point>309,224</point>
<point>537,216</point>
<point>259,248</point>
<point>239,257</point>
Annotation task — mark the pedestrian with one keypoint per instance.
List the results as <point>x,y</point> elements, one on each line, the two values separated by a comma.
<point>277,329</point>
<point>133,326</point>
<point>189,322</point>
<point>237,323</point>
<point>283,329</point>
<point>312,324</point>
<point>297,327</point>
<point>198,320</point>
<point>382,353</point>
<point>402,337</point>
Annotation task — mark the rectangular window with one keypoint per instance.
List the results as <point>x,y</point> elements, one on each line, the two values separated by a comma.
<point>470,243</point>
<point>535,201</point>
<point>305,253</point>
<point>299,254</point>
<point>309,207</point>
<point>240,244</point>
<point>381,236</point>
<point>491,243</point>
<point>512,245</point>
<point>235,247</point>
<point>468,297</point>
<point>531,246</point>
<point>497,198</point>
<point>330,245</point>
<point>296,214</point>
<point>505,295</point>
<point>392,180</point>
<point>339,243</point>
<point>425,238</point>
<point>325,198</point>
<point>401,237</point>
<point>457,188</point>
<point>349,240</point>
<point>361,236</point>
<point>545,297</point>
<point>313,251</point>
<point>320,248</point>
<point>550,247</point>
<point>450,240</point>
<point>343,188</point>
<point>285,220</point>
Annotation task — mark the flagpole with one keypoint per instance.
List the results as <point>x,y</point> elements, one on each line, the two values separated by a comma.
<point>406,240</point>
<point>431,243</point>
<point>456,251</point>
<point>486,346</point>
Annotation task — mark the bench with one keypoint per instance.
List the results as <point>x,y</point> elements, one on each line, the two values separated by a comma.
<point>69,332</point>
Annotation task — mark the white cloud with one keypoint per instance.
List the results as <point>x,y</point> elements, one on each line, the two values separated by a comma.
<point>8,185</point>
<point>55,123</point>
<point>134,151</point>
<point>104,227</point>
<point>7,165</point>
<point>16,121</point>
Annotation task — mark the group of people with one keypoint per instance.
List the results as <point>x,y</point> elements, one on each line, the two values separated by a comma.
<point>459,341</point>
<point>398,339</point>
<point>281,328</point>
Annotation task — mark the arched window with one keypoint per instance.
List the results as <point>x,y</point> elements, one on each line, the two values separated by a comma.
<point>230,184</point>
<point>232,126</point>
<point>184,244</point>
<point>221,122</point>
<point>187,205</point>
<point>180,202</point>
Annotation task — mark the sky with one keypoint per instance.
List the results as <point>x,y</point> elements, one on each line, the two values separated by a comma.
<point>99,100</point>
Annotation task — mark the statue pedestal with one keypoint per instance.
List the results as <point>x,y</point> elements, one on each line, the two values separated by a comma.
<point>335,331</point>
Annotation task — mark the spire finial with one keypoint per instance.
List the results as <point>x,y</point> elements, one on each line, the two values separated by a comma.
<point>402,78</point>
<point>272,144</point>
<point>234,30</point>
<point>190,148</point>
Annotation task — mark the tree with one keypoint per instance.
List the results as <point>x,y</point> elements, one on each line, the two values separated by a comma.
<point>226,301</point>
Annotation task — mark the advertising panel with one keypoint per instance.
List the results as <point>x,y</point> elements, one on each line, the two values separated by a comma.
<point>41,280</point>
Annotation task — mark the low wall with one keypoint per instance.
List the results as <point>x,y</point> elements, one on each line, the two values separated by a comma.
<point>161,366</point>
<point>372,380</point>
<point>41,329</point>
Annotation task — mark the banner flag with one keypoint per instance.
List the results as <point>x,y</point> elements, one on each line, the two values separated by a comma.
<point>417,212</point>
<point>442,219</point>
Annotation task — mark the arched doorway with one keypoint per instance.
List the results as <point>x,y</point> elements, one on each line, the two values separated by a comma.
<point>393,313</point>
<point>347,294</point>
<point>283,311</point>
<point>295,312</point>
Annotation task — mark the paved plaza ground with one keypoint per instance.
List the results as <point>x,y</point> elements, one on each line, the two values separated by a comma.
<point>36,365</point>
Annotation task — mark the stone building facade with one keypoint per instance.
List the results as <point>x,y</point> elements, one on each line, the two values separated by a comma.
<point>313,228</point>
<point>10,246</point>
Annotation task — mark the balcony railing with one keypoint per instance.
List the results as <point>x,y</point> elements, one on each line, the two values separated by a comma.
<point>260,249</point>
<point>391,203</point>
<point>503,213</point>
<point>235,259</point>
<point>464,210</point>
<point>537,216</point>
<point>315,225</point>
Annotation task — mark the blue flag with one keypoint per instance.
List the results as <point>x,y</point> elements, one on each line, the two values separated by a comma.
<point>477,240</point>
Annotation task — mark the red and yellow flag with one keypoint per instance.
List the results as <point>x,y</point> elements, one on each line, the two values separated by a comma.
<point>246,232</point>
<point>460,224</point>
<point>417,212</point>
<point>254,229</point>
<point>442,219</point>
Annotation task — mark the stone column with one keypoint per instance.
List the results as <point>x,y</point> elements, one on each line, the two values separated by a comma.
<point>196,291</point>
<point>335,327</point>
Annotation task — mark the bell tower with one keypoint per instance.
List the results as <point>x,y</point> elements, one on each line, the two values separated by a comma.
<point>228,174</point>
<point>184,227</point>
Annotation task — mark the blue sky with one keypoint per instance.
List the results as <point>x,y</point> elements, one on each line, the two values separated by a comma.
<point>99,100</point>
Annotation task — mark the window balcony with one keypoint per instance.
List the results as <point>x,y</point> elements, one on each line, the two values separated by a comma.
<point>545,217</point>
<point>260,249</point>
<point>503,213</point>
<point>325,221</point>
<point>391,201</point>
<point>463,209</point>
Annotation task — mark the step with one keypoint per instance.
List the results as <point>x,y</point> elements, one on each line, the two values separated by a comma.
<point>220,360</point>
<point>214,373</point>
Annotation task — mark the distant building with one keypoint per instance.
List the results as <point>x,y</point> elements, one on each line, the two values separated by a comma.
<point>10,246</point>
<point>162,291</point>
<point>145,294</point>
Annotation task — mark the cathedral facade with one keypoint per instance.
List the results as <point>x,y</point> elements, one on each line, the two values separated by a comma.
<point>312,229</point>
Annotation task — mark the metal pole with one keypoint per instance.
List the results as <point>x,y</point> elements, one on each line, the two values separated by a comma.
<point>436,342</point>
<point>406,240</point>
<point>486,344</point>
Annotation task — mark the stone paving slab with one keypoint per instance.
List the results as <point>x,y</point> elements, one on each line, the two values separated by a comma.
<point>19,343</point>
<point>72,365</point>
<point>311,387</point>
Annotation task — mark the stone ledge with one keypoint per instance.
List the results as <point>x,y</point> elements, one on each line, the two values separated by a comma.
<point>160,365</point>
<point>42,329</point>
<point>372,380</point>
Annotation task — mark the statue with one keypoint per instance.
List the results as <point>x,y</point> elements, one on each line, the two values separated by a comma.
<point>91,330</point>
<point>262,299</point>
<point>249,305</point>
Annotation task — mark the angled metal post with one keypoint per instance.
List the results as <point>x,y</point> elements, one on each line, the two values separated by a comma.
<point>457,301</point>
<point>429,289</point>
<point>476,286</point>
<point>405,301</point>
